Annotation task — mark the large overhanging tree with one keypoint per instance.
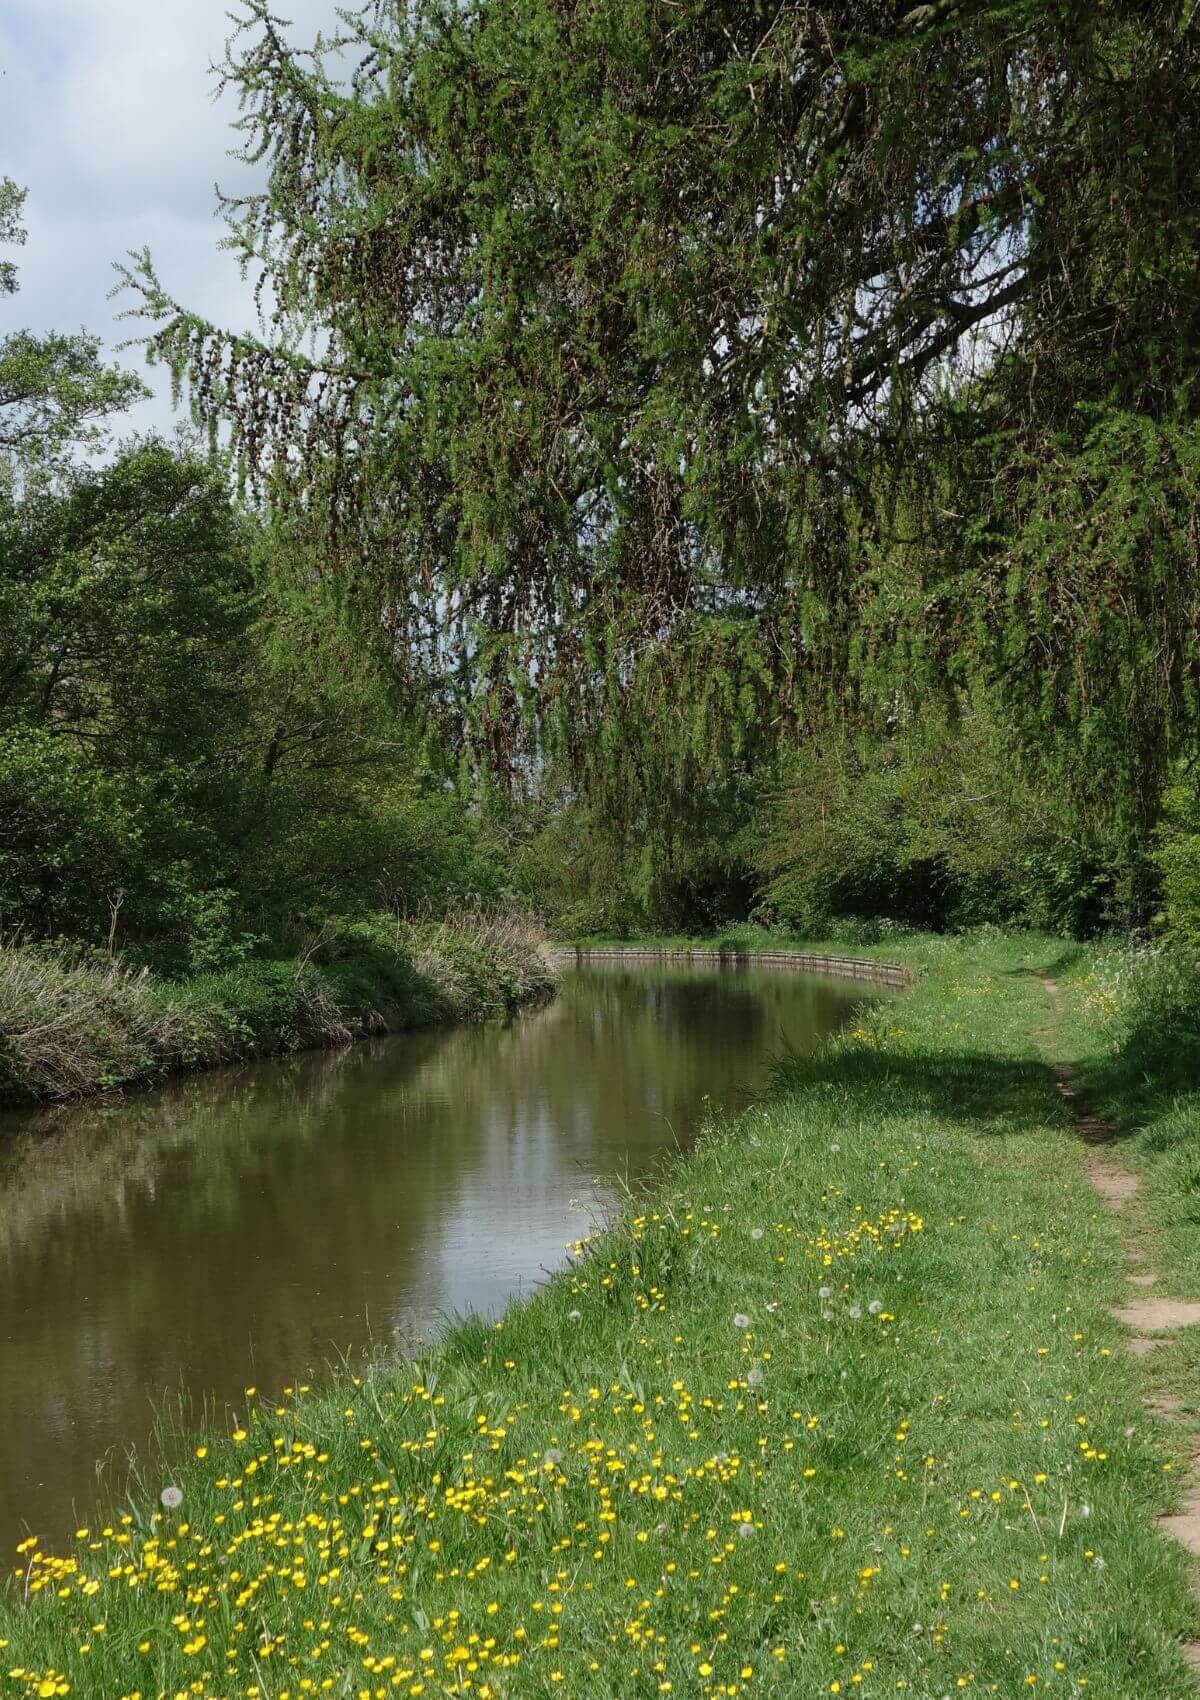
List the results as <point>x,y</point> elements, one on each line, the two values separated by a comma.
<point>662,370</point>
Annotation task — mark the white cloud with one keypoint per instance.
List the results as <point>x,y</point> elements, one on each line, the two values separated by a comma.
<point>109,121</point>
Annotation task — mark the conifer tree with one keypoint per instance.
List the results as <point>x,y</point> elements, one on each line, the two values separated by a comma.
<point>668,374</point>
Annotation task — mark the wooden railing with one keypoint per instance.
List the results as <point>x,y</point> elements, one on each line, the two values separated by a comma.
<point>798,961</point>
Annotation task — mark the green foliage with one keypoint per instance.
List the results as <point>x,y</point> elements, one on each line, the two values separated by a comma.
<point>687,374</point>
<point>12,201</point>
<point>57,394</point>
<point>183,765</point>
<point>126,602</point>
<point>1177,858</point>
<point>590,865</point>
<point>941,825</point>
<point>1161,1015</point>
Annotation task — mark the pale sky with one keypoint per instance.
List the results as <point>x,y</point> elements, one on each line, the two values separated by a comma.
<point>107,118</point>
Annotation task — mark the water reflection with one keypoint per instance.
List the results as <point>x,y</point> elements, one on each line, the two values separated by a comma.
<point>252,1224</point>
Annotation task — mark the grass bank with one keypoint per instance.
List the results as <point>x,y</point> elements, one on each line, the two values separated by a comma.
<point>1129,1021</point>
<point>836,1407</point>
<point>70,1027</point>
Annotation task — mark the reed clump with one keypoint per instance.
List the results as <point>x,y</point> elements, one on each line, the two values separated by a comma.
<point>71,1024</point>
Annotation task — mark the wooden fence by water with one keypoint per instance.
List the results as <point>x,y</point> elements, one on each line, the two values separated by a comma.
<point>797,961</point>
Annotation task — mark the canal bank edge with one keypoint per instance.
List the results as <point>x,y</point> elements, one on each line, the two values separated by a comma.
<point>736,956</point>
<point>862,1339</point>
<point>70,1029</point>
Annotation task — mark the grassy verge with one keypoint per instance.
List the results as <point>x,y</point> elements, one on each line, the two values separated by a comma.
<point>837,1407</point>
<point>69,1028</point>
<point>1130,1023</point>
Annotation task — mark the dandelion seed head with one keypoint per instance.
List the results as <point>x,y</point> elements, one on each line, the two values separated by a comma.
<point>740,1319</point>
<point>171,1497</point>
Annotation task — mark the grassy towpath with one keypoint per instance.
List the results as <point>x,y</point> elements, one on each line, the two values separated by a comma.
<point>839,1406</point>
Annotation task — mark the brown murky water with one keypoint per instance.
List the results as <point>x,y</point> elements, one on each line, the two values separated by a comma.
<point>252,1225</point>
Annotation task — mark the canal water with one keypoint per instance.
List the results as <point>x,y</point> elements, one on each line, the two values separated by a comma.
<point>251,1226</point>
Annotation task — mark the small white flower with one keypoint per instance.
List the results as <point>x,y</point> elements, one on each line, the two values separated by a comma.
<point>171,1497</point>
<point>1098,1562</point>
<point>824,1292</point>
<point>756,1233</point>
<point>875,1307</point>
<point>745,1530</point>
<point>772,1305</point>
<point>574,1315</point>
<point>740,1319</point>
<point>855,1313</point>
<point>835,1148</point>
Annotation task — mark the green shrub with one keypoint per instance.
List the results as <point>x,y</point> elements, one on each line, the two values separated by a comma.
<point>1177,856</point>
<point>1162,1012</point>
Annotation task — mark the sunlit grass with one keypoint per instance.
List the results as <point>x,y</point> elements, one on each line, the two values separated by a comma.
<point>836,1407</point>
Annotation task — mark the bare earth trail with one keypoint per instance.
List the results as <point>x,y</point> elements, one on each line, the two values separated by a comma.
<point>1152,1316</point>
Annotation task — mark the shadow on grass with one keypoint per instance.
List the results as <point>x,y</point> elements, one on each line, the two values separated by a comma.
<point>1068,958</point>
<point>1154,1073</point>
<point>989,1095</point>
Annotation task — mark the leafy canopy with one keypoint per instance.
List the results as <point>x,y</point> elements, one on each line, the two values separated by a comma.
<point>55,392</point>
<point>667,373</point>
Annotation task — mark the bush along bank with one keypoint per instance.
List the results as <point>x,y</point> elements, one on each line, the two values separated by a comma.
<point>69,1026</point>
<point>838,1406</point>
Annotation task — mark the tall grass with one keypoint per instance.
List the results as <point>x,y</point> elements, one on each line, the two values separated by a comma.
<point>70,1027</point>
